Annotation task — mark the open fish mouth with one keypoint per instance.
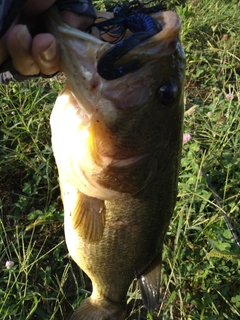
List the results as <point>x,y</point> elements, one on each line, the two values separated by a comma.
<point>83,54</point>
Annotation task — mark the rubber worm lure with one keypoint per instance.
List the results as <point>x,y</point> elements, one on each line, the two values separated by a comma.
<point>143,27</point>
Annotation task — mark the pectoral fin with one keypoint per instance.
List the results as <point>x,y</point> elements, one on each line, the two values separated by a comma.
<point>87,213</point>
<point>149,284</point>
<point>88,217</point>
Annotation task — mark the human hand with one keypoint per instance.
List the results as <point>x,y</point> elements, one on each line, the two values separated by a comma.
<point>32,55</point>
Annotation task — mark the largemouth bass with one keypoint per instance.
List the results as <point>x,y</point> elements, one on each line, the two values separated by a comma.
<point>117,146</point>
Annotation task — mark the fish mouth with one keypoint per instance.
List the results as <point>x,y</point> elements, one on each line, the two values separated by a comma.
<point>81,53</point>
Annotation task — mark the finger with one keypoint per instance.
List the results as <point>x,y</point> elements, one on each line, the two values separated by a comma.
<point>46,54</point>
<point>34,7</point>
<point>19,46</point>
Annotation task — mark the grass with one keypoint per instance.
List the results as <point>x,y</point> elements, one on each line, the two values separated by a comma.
<point>201,259</point>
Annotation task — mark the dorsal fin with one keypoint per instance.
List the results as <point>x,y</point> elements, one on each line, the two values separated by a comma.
<point>149,284</point>
<point>87,213</point>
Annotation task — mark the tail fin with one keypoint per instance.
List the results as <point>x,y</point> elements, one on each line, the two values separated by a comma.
<point>90,310</point>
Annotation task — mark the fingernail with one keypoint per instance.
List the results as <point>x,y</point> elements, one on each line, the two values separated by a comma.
<point>50,53</point>
<point>24,37</point>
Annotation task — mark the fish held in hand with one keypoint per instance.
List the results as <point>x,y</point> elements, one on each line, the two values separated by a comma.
<point>117,146</point>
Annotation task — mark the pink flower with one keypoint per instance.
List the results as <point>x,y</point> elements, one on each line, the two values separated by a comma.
<point>186,137</point>
<point>229,96</point>
<point>9,264</point>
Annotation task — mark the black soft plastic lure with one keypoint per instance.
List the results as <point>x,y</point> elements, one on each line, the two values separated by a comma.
<point>134,16</point>
<point>124,18</point>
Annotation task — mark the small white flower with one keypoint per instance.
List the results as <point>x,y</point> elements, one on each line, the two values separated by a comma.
<point>9,264</point>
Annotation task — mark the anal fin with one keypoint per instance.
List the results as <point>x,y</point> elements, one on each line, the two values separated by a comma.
<point>87,213</point>
<point>149,284</point>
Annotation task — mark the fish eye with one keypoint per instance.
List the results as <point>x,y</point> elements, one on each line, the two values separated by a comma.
<point>168,93</point>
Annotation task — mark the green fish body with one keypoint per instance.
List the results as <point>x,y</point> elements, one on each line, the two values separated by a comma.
<point>117,146</point>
